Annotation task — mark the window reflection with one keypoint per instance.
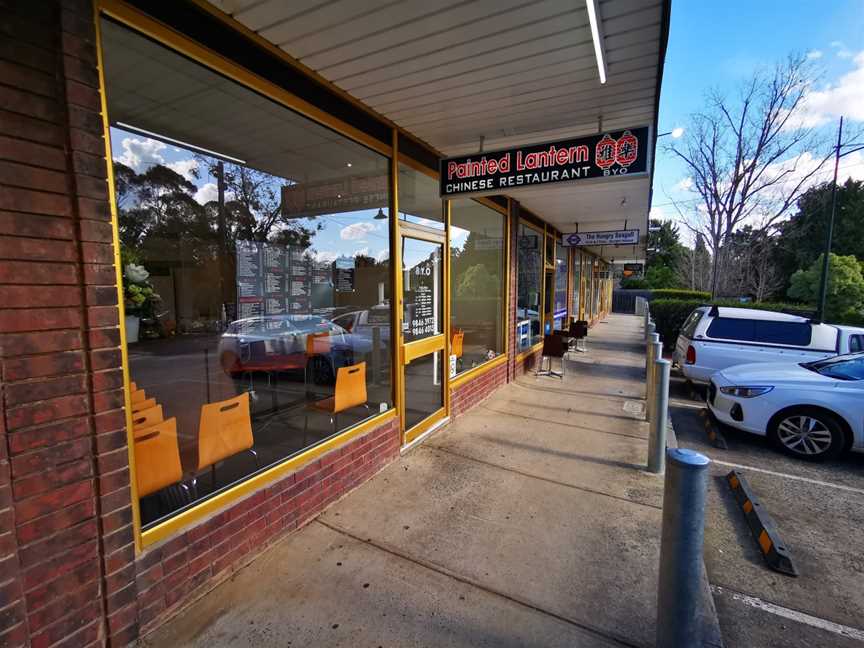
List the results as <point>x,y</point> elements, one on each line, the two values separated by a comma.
<point>256,279</point>
<point>477,291</point>
<point>560,305</point>
<point>529,247</point>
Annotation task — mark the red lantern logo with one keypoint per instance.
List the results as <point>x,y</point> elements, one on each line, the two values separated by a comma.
<point>626,149</point>
<point>605,152</point>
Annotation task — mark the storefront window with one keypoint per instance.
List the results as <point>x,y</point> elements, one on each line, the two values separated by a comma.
<point>577,283</point>
<point>560,304</point>
<point>256,252</point>
<point>419,200</point>
<point>529,248</point>
<point>477,286</point>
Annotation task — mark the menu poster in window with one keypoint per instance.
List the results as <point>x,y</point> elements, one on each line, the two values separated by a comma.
<point>297,282</point>
<point>250,290</point>
<point>343,274</point>
<point>419,303</point>
<point>322,287</point>
<point>273,258</point>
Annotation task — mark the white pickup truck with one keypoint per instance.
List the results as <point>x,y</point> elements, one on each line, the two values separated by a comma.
<point>714,338</point>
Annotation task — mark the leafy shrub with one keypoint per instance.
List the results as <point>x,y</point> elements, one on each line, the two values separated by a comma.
<point>669,314</point>
<point>679,293</point>
<point>636,283</point>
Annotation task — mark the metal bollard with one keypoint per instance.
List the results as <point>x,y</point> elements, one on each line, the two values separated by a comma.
<point>678,588</point>
<point>655,354</point>
<point>646,317</point>
<point>660,411</point>
<point>651,329</point>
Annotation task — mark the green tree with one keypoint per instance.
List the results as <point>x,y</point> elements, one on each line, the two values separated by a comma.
<point>802,237</point>
<point>661,276</point>
<point>476,281</point>
<point>844,301</point>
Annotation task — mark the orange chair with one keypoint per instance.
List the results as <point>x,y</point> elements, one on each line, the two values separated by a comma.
<point>146,418</point>
<point>133,386</point>
<point>456,346</point>
<point>317,344</point>
<point>225,429</point>
<point>140,406</point>
<point>350,392</point>
<point>137,395</point>
<point>157,458</point>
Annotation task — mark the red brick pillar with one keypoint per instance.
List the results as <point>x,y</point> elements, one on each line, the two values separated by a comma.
<point>67,561</point>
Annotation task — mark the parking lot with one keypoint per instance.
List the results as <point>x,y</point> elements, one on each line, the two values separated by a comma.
<point>819,512</point>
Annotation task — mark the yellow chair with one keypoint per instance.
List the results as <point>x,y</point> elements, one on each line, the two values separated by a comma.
<point>350,392</point>
<point>157,458</point>
<point>225,429</point>
<point>146,418</point>
<point>456,346</point>
<point>143,405</point>
<point>137,395</point>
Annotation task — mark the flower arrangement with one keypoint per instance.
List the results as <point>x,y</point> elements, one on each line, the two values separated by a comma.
<point>138,293</point>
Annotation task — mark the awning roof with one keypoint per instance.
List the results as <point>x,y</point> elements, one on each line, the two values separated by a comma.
<point>508,72</point>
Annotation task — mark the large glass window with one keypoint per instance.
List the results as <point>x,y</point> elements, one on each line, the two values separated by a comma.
<point>256,274</point>
<point>477,283</point>
<point>560,304</point>
<point>529,266</point>
<point>577,282</point>
<point>419,199</point>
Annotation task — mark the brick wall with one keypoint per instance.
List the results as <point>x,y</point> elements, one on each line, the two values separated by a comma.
<point>470,393</point>
<point>65,487</point>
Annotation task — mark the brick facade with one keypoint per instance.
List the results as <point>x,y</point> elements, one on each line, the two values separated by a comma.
<point>69,572</point>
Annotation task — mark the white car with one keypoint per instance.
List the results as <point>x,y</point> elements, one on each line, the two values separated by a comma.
<point>811,410</point>
<point>713,338</point>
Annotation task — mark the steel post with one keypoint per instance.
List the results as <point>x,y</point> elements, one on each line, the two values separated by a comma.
<point>660,412</point>
<point>678,590</point>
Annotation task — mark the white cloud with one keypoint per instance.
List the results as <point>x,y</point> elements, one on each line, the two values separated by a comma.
<point>684,184</point>
<point>364,251</point>
<point>357,231</point>
<point>186,168</point>
<point>325,256</point>
<point>207,193</point>
<point>383,255</point>
<point>846,97</point>
<point>141,154</point>
<point>836,44</point>
<point>814,54</point>
<point>845,54</point>
<point>657,213</point>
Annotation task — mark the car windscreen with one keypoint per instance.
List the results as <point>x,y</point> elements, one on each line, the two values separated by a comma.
<point>848,367</point>
<point>760,331</point>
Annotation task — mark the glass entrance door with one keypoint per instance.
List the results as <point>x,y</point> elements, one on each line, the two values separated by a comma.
<point>423,332</point>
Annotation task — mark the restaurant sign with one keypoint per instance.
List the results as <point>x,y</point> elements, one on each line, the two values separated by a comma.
<point>604,155</point>
<point>615,237</point>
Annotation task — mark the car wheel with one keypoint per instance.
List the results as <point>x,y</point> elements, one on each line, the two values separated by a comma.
<point>808,433</point>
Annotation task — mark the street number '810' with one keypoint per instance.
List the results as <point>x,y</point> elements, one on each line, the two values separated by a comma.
<point>423,271</point>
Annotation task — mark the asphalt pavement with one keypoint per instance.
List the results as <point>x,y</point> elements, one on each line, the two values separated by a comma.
<point>819,512</point>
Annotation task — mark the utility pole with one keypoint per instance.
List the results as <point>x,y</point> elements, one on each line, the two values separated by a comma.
<point>823,284</point>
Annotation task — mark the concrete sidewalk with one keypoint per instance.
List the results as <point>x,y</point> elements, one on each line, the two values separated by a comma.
<point>529,521</point>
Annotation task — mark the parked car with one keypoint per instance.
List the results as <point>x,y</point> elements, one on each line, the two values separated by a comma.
<point>278,343</point>
<point>714,338</point>
<point>812,410</point>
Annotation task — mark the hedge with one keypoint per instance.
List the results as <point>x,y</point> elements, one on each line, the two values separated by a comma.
<point>669,314</point>
<point>678,293</point>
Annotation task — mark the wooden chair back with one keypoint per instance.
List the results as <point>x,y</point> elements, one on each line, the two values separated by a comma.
<point>137,395</point>
<point>225,428</point>
<point>157,458</point>
<point>140,406</point>
<point>318,343</point>
<point>146,418</point>
<point>350,387</point>
<point>456,344</point>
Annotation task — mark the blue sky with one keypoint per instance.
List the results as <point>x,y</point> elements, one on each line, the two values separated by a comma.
<point>719,44</point>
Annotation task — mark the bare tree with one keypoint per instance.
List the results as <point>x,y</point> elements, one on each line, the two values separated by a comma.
<point>751,157</point>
